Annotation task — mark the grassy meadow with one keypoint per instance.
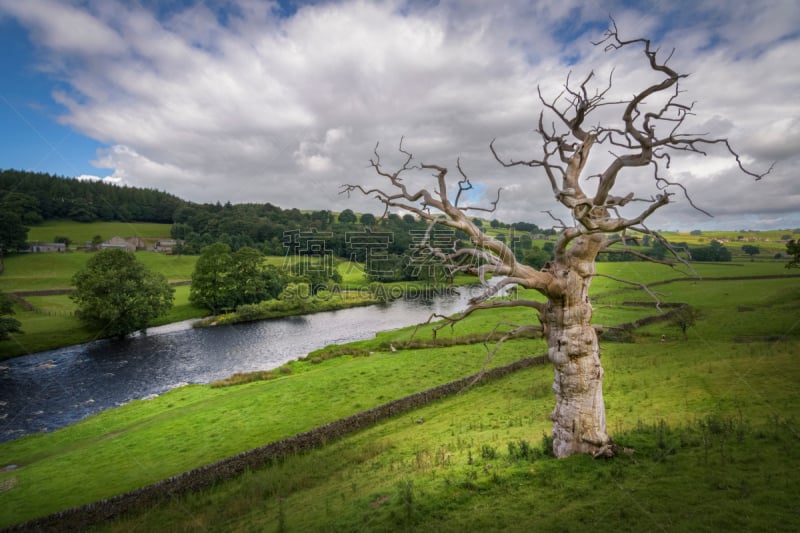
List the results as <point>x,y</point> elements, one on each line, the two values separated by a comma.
<point>49,322</point>
<point>81,232</point>
<point>710,424</point>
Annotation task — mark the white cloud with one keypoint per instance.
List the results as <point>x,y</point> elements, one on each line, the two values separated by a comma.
<point>111,180</point>
<point>285,110</point>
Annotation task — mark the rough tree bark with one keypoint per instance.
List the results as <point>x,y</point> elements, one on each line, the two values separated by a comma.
<point>579,422</point>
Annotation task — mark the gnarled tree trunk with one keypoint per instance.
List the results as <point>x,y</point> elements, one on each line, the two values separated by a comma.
<point>579,418</point>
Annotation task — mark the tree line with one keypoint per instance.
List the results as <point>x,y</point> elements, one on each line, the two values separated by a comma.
<point>42,196</point>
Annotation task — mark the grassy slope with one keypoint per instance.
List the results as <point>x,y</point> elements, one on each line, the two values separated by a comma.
<point>80,232</point>
<point>51,324</point>
<point>36,272</point>
<point>713,424</point>
<point>680,383</point>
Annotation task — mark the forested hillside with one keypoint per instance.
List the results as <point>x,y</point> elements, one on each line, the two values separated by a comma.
<point>45,197</point>
<point>386,244</point>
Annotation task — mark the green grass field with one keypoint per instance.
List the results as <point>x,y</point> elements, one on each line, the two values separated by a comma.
<point>51,323</point>
<point>80,233</point>
<point>36,272</point>
<point>713,421</point>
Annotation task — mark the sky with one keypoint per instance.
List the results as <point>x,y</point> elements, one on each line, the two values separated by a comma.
<point>283,102</point>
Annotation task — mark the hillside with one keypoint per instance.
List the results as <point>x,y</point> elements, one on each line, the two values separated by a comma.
<point>711,422</point>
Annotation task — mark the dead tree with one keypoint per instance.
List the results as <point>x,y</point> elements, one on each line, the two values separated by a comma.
<point>646,136</point>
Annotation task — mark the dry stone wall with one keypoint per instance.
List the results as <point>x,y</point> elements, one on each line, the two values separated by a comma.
<point>80,518</point>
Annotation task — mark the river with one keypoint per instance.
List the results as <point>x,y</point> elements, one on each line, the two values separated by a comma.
<point>49,390</point>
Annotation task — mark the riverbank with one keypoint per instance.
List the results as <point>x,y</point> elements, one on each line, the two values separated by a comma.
<point>334,300</point>
<point>107,373</point>
<point>48,320</point>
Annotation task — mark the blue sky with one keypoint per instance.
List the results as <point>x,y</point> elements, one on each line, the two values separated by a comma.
<point>31,136</point>
<point>246,100</point>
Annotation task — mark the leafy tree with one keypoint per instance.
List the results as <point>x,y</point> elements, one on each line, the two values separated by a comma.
<point>525,226</point>
<point>222,280</point>
<point>25,206</point>
<point>251,280</point>
<point>296,295</point>
<point>368,219</point>
<point>715,252</point>
<point>793,251</point>
<point>8,325</point>
<point>212,286</point>
<point>13,233</point>
<point>536,257</point>
<point>347,217</point>
<point>684,318</point>
<point>180,230</point>
<point>751,250</point>
<point>117,295</point>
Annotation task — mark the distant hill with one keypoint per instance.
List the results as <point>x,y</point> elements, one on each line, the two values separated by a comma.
<point>48,197</point>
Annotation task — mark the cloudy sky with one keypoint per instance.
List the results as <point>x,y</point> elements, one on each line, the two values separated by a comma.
<point>282,102</point>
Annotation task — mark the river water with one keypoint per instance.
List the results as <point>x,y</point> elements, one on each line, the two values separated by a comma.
<point>49,390</point>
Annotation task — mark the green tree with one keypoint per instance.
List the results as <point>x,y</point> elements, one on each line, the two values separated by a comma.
<point>25,206</point>
<point>13,233</point>
<point>715,252</point>
<point>751,250</point>
<point>8,325</point>
<point>247,275</point>
<point>368,219</point>
<point>347,217</point>
<point>117,295</point>
<point>793,250</point>
<point>536,257</point>
<point>212,286</point>
<point>684,318</point>
<point>62,239</point>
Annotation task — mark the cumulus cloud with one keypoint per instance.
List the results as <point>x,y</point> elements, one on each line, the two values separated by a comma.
<point>253,105</point>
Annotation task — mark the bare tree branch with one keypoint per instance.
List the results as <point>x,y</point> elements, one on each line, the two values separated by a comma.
<point>491,353</point>
<point>643,286</point>
<point>648,132</point>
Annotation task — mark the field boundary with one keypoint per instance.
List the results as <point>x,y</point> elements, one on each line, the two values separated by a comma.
<point>602,295</point>
<point>203,477</point>
<point>82,517</point>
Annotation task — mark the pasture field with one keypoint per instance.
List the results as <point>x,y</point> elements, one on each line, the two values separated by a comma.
<point>47,271</point>
<point>80,232</point>
<point>50,324</point>
<point>711,424</point>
